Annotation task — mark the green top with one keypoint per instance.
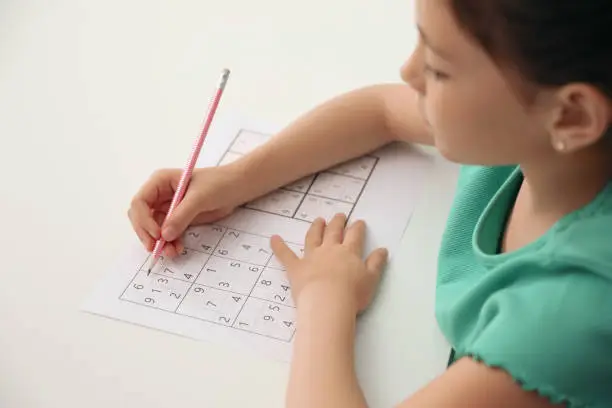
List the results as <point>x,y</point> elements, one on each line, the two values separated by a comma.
<point>543,313</point>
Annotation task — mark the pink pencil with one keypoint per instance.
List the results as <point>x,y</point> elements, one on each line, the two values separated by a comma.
<point>186,176</point>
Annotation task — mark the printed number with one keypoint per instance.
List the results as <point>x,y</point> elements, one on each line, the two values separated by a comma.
<point>217,229</point>
<point>184,252</point>
<point>149,300</point>
<point>285,287</point>
<point>168,270</point>
<point>138,286</point>
<point>206,247</point>
<point>224,319</point>
<point>288,324</point>
<point>263,250</point>
<point>279,297</point>
<point>268,318</point>
<point>246,247</point>
<point>223,252</point>
<point>188,276</point>
<point>224,284</point>
<point>198,289</point>
<point>155,290</point>
<point>275,308</point>
<point>266,282</point>
<point>243,324</point>
<point>235,264</point>
<point>210,270</point>
<point>162,280</point>
<point>193,234</point>
<point>236,298</point>
<point>209,303</point>
<point>234,233</point>
<point>253,269</point>
<point>176,295</point>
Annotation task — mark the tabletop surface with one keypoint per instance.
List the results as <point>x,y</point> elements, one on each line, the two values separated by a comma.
<point>91,95</point>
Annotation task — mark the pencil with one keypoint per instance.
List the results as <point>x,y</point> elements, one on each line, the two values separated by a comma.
<point>193,157</point>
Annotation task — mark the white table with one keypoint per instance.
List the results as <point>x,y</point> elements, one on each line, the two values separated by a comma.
<point>91,94</point>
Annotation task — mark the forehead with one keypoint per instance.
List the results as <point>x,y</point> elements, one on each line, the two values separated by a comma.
<point>436,20</point>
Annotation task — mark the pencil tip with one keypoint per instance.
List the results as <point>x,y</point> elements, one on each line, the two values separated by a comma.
<point>224,77</point>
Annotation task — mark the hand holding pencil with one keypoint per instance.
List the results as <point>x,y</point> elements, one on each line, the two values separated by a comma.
<point>147,205</point>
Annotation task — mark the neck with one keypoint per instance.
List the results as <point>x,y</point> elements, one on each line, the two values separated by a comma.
<point>564,183</point>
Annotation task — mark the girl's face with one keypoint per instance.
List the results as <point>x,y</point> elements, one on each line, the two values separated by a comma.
<point>474,113</point>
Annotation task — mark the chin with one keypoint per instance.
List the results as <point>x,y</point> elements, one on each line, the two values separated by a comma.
<point>444,149</point>
<point>462,157</point>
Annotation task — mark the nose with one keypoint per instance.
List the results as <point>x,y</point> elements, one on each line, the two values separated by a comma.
<point>412,71</point>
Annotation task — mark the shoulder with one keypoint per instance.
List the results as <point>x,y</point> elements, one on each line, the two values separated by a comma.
<point>545,322</point>
<point>542,315</point>
<point>583,238</point>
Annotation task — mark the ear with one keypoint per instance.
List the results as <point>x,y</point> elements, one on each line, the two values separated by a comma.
<point>580,118</point>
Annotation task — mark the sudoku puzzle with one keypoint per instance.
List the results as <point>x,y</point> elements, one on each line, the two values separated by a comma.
<point>228,276</point>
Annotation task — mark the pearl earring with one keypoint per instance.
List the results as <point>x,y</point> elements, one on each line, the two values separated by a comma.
<point>560,146</point>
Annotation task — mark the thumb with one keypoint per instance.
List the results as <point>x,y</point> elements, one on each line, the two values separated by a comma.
<point>376,261</point>
<point>181,217</point>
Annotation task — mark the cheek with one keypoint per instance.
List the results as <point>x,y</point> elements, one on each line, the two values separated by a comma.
<point>450,117</point>
<point>475,126</point>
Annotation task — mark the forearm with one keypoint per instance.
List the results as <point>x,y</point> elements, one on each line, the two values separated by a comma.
<point>322,368</point>
<point>345,127</point>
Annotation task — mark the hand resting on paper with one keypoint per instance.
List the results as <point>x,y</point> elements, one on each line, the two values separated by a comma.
<point>333,264</point>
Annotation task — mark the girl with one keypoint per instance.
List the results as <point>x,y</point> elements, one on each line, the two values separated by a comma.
<point>520,92</point>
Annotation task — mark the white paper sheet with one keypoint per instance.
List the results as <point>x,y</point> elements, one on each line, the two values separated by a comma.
<point>227,287</point>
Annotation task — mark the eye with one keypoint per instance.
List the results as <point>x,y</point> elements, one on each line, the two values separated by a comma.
<point>437,75</point>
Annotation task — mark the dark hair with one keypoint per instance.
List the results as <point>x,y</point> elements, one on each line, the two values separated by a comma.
<point>549,42</point>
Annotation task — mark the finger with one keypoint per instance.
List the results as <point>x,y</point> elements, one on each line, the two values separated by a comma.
<point>335,230</point>
<point>211,216</point>
<point>181,217</point>
<point>170,250</point>
<point>314,236</point>
<point>354,237</point>
<point>140,214</point>
<point>177,243</point>
<point>376,261</point>
<point>144,237</point>
<point>283,253</point>
<point>159,187</point>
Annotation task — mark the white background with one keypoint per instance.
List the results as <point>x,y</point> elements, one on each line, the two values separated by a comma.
<point>95,95</point>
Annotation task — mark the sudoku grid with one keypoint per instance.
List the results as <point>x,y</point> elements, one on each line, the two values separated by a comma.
<point>230,277</point>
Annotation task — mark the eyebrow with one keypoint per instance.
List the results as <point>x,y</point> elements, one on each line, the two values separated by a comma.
<point>442,53</point>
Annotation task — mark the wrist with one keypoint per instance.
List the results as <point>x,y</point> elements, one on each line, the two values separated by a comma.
<point>246,179</point>
<point>236,180</point>
<point>327,298</point>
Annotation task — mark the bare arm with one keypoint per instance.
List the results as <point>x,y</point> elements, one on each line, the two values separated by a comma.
<point>322,368</point>
<point>345,127</point>
<point>323,372</point>
<point>471,384</point>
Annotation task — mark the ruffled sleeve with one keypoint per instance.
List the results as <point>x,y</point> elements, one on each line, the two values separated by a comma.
<point>552,332</point>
